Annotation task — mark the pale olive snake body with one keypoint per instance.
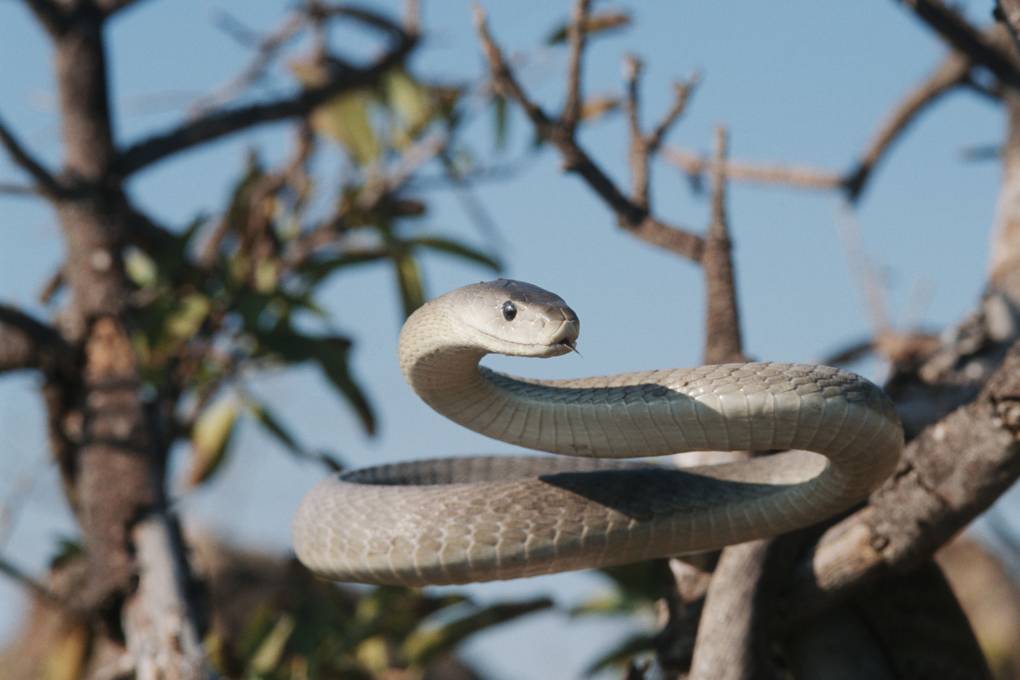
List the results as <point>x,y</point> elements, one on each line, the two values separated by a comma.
<point>477,519</point>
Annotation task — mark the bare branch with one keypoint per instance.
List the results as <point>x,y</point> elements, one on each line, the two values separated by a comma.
<point>222,123</point>
<point>266,50</point>
<point>1008,13</point>
<point>949,474</point>
<point>111,7</point>
<point>642,146</point>
<point>951,73</point>
<point>956,31</point>
<point>12,189</point>
<point>364,14</point>
<point>682,91</point>
<point>730,644</point>
<point>576,36</point>
<point>697,166</point>
<point>26,343</point>
<point>157,614</point>
<point>638,153</point>
<point>723,341</point>
<point>630,216</point>
<point>50,14</point>
<point>867,275</point>
<point>505,82</point>
<point>44,179</point>
<point>33,586</point>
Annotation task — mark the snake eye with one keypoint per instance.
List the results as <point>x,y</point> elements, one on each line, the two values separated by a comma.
<point>509,310</point>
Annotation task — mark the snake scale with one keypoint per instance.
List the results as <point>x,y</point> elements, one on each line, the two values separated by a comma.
<point>460,520</point>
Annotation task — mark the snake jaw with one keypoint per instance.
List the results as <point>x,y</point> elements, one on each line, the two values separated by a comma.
<point>565,339</point>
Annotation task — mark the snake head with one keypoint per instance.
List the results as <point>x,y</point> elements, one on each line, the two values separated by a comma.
<point>514,317</point>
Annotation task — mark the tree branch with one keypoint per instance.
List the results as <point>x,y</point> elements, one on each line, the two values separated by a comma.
<point>682,91</point>
<point>952,72</point>
<point>576,36</point>
<point>39,590</point>
<point>265,51</point>
<point>219,124</point>
<point>49,14</point>
<point>13,189</point>
<point>44,179</point>
<point>723,341</point>
<point>731,642</point>
<point>956,31</point>
<point>949,474</point>
<point>631,216</point>
<point>639,155</point>
<point>1007,12</point>
<point>111,7</point>
<point>696,166</point>
<point>26,343</point>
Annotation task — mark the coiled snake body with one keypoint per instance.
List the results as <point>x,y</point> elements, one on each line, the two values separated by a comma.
<point>478,519</point>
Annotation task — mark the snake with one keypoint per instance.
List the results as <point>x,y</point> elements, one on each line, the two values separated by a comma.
<point>828,437</point>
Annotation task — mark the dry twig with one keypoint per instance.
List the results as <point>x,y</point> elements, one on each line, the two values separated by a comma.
<point>44,180</point>
<point>217,124</point>
<point>631,216</point>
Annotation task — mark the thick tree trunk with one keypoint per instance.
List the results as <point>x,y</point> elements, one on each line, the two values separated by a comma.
<point>116,471</point>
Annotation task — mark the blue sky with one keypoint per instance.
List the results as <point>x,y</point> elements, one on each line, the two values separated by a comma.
<point>801,82</point>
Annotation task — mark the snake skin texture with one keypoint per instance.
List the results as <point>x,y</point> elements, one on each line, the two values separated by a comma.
<point>461,520</point>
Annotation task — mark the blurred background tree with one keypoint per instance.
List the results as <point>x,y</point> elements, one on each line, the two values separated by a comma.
<point>158,332</point>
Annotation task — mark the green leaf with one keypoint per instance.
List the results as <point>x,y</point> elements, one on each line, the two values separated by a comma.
<point>272,424</point>
<point>332,356</point>
<point>210,438</point>
<point>316,271</point>
<point>499,109</point>
<point>184,322</point>
<point>140,268</point>
<point>451,247</point>
<point>431,640</point>
<point>650,580</point>
<point>239,205</point>
<point>608,604</point>
<point>410,100</point>
<point>331,352</point>
<point>412,291</point>
<point>598,22</point>
<point>346,119</point>
<point>269,653</point>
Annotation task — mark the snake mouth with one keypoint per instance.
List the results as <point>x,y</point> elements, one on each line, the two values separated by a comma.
<point>566,337</point>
